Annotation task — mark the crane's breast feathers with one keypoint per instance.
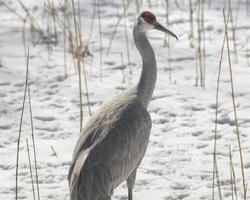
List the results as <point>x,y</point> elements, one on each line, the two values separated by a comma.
<point>123,136</point>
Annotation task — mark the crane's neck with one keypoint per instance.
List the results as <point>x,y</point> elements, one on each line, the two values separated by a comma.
<point>148,76</point>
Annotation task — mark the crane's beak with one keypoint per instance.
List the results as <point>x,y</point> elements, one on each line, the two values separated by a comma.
<point>159,27</point>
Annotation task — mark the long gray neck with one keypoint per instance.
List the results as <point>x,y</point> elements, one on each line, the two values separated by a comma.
<point>148,77</point>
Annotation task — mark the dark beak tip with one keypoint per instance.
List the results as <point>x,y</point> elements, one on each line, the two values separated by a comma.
<point>159,27</point>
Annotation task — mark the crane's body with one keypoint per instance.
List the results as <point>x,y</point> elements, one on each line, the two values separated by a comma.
<point>114,141</point>
<point>111,147</point>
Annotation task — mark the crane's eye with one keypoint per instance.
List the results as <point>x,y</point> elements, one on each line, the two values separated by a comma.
<point>148,17</point>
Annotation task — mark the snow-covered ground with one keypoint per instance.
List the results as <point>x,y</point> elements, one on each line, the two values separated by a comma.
<point>179,160</point>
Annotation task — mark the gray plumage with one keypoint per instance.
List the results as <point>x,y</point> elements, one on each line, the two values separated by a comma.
<point>114,141</point>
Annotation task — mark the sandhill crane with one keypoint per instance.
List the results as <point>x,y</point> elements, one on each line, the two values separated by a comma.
<point>113,142</point>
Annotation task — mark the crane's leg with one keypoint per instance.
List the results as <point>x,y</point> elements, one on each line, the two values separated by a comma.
<point>130,184</point>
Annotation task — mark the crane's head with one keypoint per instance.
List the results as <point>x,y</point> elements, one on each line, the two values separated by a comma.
<point>147,21</point>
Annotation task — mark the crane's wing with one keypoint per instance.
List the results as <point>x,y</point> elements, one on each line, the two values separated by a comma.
<point>113,144</point>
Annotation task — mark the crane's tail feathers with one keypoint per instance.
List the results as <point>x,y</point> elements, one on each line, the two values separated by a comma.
<point>75,175</point>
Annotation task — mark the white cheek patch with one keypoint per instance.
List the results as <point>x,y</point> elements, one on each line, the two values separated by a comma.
<point>148,27</point>
<point>143,25</point>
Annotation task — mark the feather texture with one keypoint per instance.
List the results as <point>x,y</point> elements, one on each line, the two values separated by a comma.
<point>110,147</point>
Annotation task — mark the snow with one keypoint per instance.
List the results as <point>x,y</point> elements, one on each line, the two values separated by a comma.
<point>179,160</point>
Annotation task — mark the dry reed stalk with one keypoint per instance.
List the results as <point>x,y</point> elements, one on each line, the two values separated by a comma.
<point>72,49</point>
<point>82,54</point>
<point>77,51</point>
<point>54,14</point>
<point>166,42</point>
<point>248,52</point>
<point>123,73</point>
<point>79,55</point>
<point>75,22</point>
<point>92,23</point>
<point>100,35</point>
<point>191,34</point>
<point>234,189</point>
<point>80,92</point>
<point>215,165</point>
<point>199,48</point>
<point>247,7</point>
<point>245,195</point>
<point>196,70</point>
<point>30,111</point>
<point>235,112</point>
<point>234,181</point>
<point>71,39</point>
<point>65,16</point>
<point>79,22</point>
<point>169,62</point>
<point>198,56</point>
<point>116,26</point>
<point>30,167</point>
<point>32,19</point>
<point>1,59</point>
<point>86,87</point>
<point>233,30</point>
<point>231,173</point>
<point>20,126</point>
<point>43,12</point>
<point>33,143</point>
<point>203,43</point>
<point>126,36</point>
<point>24,37</point>
<point>12,10</point>
<point>48,38</point>
<point>91,29</point>
<point>61,23</point>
